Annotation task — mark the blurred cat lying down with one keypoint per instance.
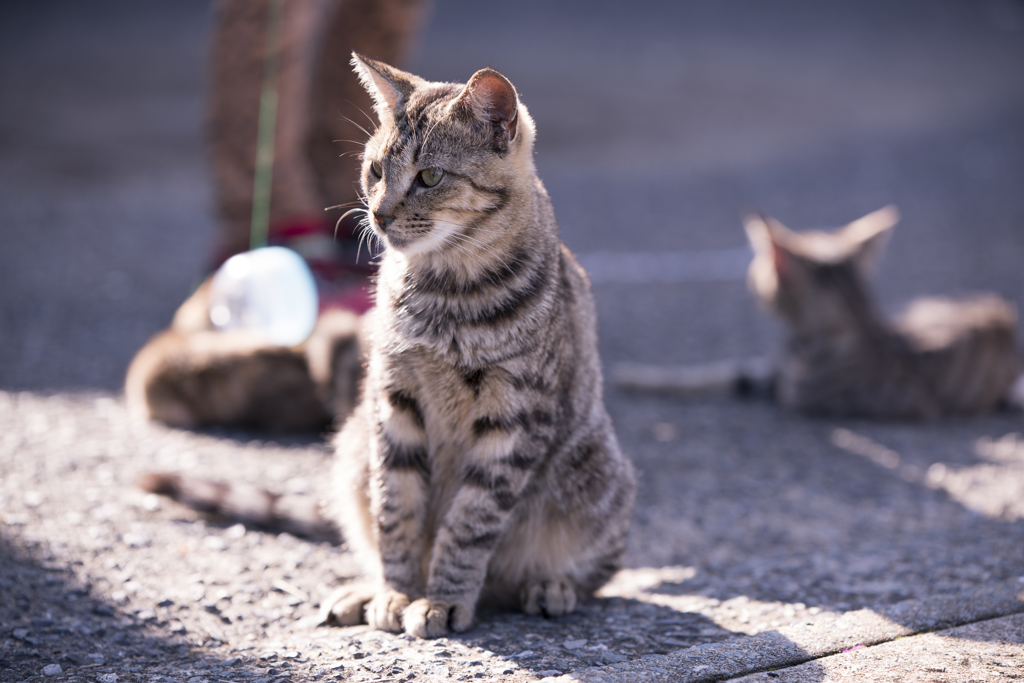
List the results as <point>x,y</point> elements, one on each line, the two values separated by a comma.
<point>941,356</point>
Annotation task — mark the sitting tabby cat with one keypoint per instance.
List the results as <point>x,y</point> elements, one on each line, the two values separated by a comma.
<point>481,461</point>
<point>940,357</point>
<point>192,375</point>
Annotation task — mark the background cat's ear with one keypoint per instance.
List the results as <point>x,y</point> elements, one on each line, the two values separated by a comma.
<point>386,85</point>
<point>869,236</point>
<point>757,232</point>
<point>769,239</point>
<point>490,99</point>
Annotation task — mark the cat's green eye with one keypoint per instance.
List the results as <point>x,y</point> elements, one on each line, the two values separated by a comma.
<point>431,176</point>
<point>377,169</point>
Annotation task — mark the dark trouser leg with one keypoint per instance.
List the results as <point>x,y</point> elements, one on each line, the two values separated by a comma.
<point>236,82</point>
<point>341,109</point>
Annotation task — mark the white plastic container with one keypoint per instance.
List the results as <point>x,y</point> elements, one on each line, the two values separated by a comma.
<point>270,291</point>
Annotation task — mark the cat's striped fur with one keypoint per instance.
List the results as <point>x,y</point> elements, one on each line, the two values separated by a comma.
<point>481,460</point>
<point>940,357</point>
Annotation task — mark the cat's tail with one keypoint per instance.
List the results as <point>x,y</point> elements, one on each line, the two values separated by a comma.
<point>249,505</point>
<point>753,377</point>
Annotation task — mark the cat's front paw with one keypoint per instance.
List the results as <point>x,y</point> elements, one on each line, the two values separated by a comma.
<point>550,597</point>
<point>433,618</point>
<point>384,611</point>
<point>346,605</point>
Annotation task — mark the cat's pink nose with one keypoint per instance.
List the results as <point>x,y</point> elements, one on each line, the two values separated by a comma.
<point>383,221</point>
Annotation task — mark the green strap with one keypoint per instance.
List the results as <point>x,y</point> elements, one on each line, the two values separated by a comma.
<point>263,175</point>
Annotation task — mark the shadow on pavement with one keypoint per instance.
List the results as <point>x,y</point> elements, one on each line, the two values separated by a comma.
<point>772,510</point>
<point>602,632</point>
<point>51,615</point>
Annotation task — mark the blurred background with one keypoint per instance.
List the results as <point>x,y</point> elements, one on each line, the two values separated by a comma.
<point>659,123</point>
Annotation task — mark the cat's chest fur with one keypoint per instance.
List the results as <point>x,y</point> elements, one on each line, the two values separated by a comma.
<point>452,399</point>
<point>478,321</point>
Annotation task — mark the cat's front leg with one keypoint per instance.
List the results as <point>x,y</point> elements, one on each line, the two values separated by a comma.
<point>492,481</point>
<point>400,471</point>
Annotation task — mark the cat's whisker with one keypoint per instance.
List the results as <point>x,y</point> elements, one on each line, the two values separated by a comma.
<point>343,217</point>
<point>430,130</point>
<point>475,228</point>
<point>374,238</point>
<point>509,230</point>
<point>368,133</point>
<point>359,244</point>
<point>505,218</point>
<point>373,241</point>
<point>455,241</point>
<point>491,276</point>
<point>461,247</point>
<point>366,232</point>
<point>501,213</point>
<point>444,257</point>
<point>342,205</point>
<point>463,235</point>
<point>492,251</point>
<point>373,122</point>
<point>357,209</point>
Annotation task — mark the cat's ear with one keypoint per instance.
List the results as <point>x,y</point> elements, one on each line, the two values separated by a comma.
<point>868,236</point>
<point>490,99</point>
<point>769,239</point>
<point>386,85</point>
<point>757,232</point>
